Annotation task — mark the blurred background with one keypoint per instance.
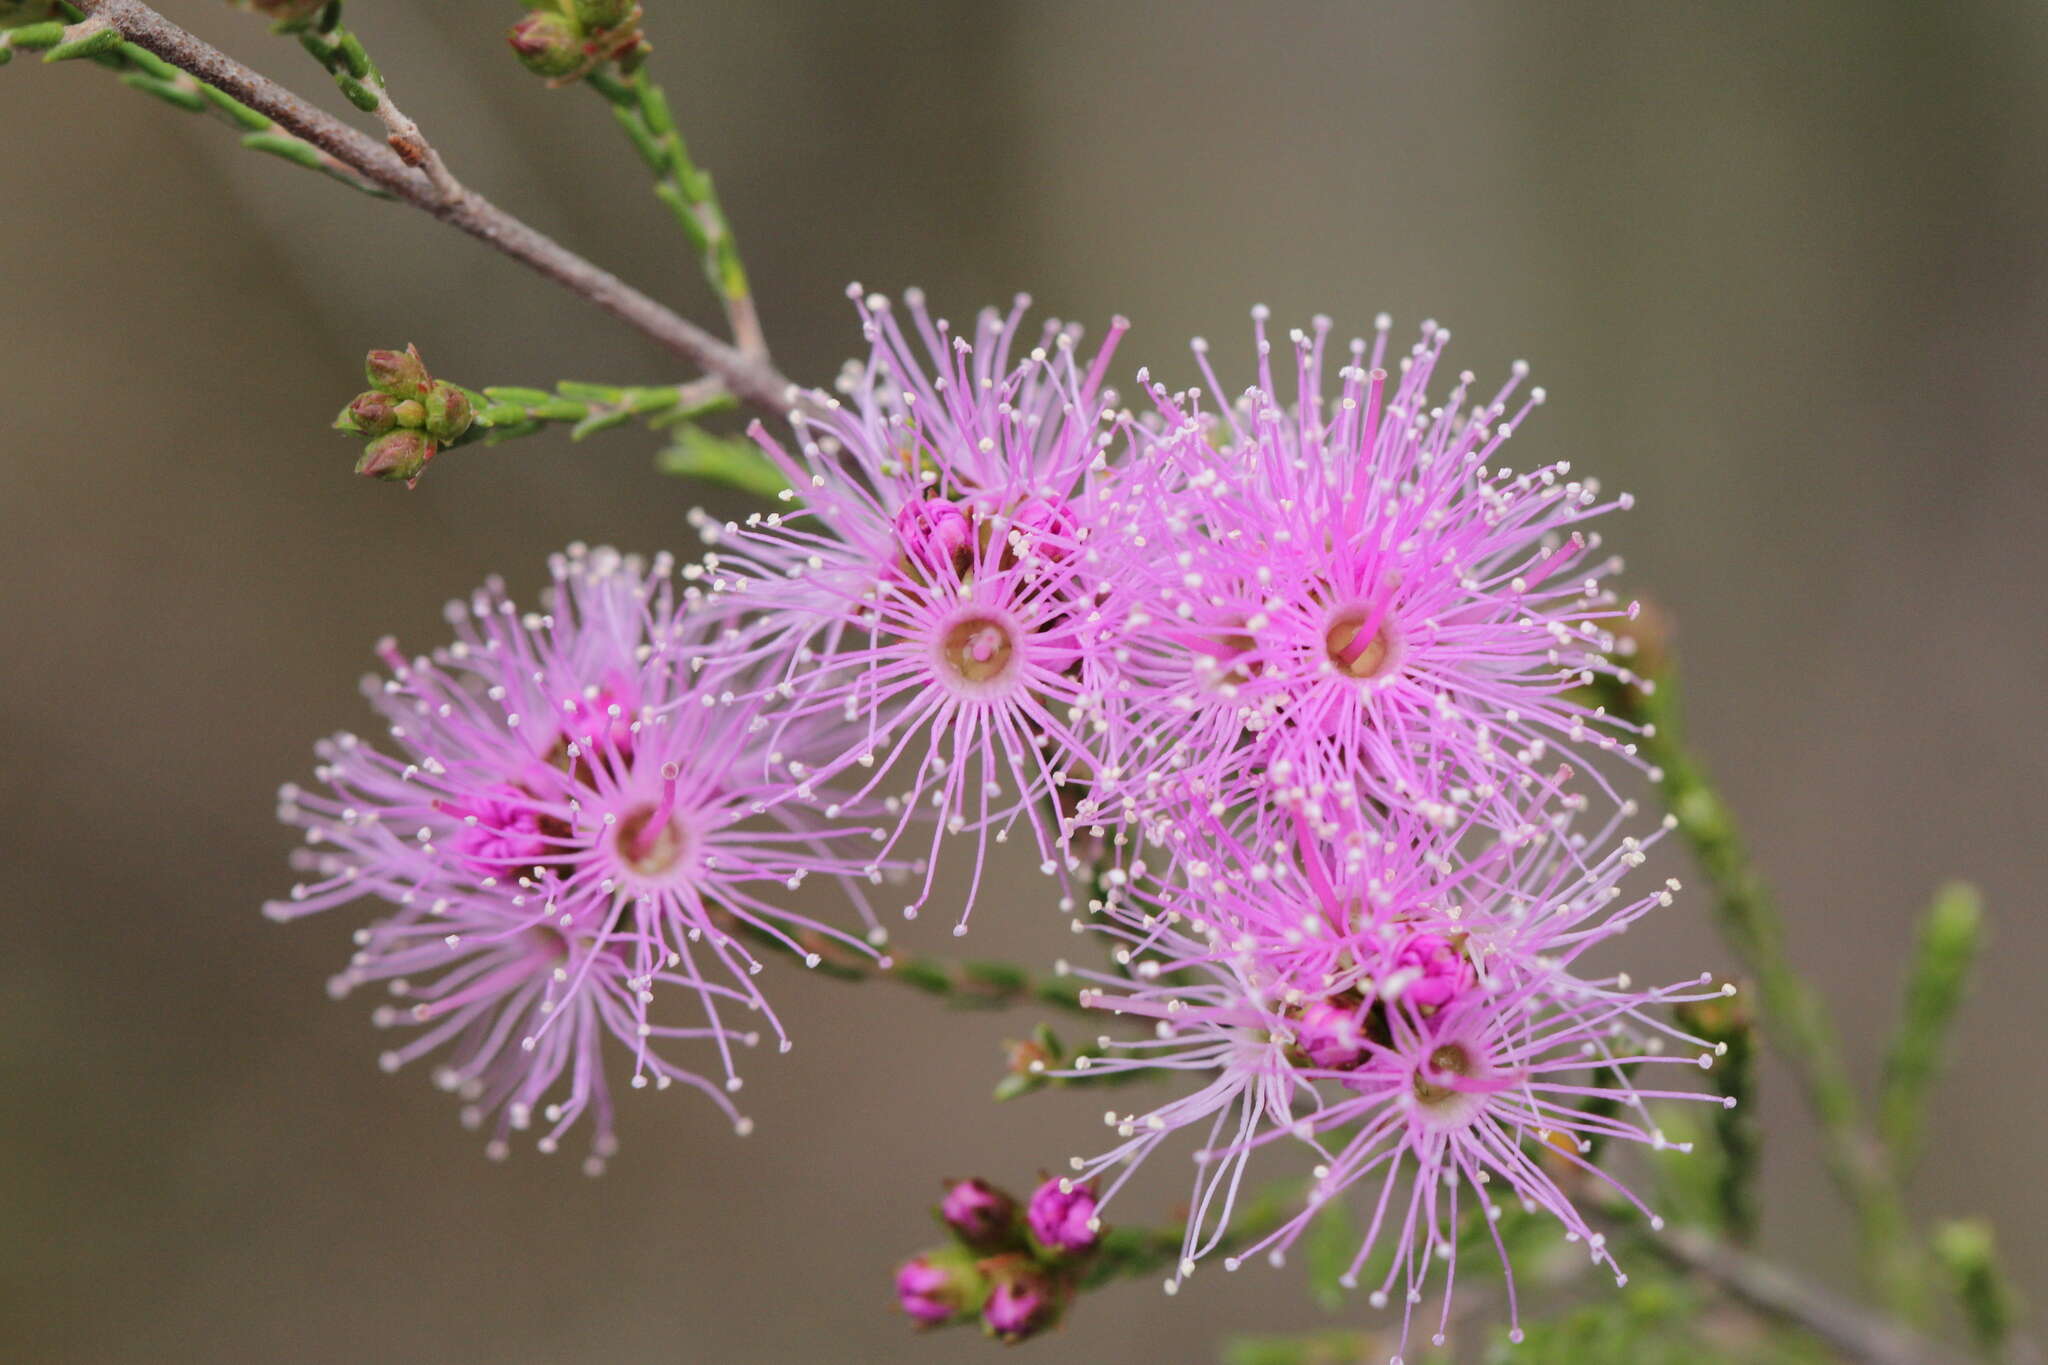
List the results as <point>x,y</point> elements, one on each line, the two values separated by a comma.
<point>1781,268</point>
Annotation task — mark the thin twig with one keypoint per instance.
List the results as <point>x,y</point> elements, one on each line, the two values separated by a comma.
<point>751,379</point>
<point>1777,1294</point>
<point>964,984</point>
<point>344,56</point>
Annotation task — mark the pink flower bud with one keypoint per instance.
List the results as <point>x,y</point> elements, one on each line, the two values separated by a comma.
<point>1331,1034</point>
<point>936,537</point>
<point>603,14</point>
<point>939,1287</point>
<point>1062,1217</point>
<point>371,414</point>
<point>448,413</point>
<point>402,374</point>
<point>396,457</point>
<point>980,1214</point>
<point>1426,972</point>
<point>547,44</point>
<point>1044,528</point>
<point>1022,1300</point>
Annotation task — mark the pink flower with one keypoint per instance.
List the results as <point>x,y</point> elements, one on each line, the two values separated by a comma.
<point>938,590</point>
<point>1358,594</point>
<point>1407,1008</point>
<point>578,818</point>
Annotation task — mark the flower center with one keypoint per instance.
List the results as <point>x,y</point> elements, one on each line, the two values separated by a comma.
<point>651,840</point>
<point>979,649</point>
<point>1353,656</point>
<point>1450,1059</point>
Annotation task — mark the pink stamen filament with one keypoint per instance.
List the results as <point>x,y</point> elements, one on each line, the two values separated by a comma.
<point>650,831</point>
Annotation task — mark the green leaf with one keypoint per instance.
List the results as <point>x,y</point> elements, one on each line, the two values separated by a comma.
<point>168,91</point>
<point>587,392</point>
<point>357,60</point>
<point>92,45</point>
<point>1950,934</point>
<point>34,37</point>
<point>730,460</point>
<point>360,95</point>
<point>506,393</point>
<point>285,145</point>
<point>601,420</point>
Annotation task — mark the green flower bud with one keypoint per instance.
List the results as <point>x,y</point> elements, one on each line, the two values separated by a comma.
<point>448,412</point>
<point>399,373</point>
<point>412,413</point>
<point>371,414</point>
<point>602,13</point>
<point>548,44</point>
<point>396,456</point>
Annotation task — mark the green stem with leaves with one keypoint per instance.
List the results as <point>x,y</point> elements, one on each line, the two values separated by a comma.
<point>1794,1017</point>
<point>1950,934</point>
<point>642,111</point>
<point>506,413</point>
<point>750,378</point>
<point>962,984</point>
<point>357,77</point>
<point>96,41</point>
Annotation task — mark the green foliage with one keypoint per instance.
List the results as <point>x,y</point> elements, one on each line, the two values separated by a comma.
<point>643,115</point>
<point>1967,1252</point>
<point>1689,1182</point>
<point>1950,934</point>
<point>1652,1322</point>
<point>1726,1023</point>
<point>729,460</point>
<point>144,71</point>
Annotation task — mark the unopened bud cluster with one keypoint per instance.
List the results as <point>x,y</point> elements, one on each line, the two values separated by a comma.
<point>1014,1274</point>
<point>566,40</point>
<point>405,417</point>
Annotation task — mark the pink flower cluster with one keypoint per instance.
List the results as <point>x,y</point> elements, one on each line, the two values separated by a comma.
<point>581,814</point>
<point>1288,692</point>
<point>1355,646</point>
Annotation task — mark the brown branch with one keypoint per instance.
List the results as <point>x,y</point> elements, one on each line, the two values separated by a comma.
<point>749,378</point>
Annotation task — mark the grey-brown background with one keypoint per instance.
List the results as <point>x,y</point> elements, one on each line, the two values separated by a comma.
<point>1780,266</point>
